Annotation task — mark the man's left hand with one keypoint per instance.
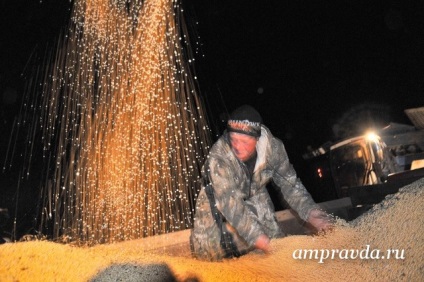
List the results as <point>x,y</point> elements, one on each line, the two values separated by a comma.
<point>320,220</point>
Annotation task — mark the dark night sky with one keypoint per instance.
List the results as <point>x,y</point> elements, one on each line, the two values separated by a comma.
<point>301,63</point>
<point>304,63</point>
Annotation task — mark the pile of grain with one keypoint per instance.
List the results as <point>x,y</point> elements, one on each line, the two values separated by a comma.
<point>396,223</point>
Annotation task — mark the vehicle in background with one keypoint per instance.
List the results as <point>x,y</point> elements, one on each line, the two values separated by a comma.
<point>367,168</point>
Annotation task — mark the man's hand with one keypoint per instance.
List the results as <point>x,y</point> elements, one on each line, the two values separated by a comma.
<point>320,220</point>
<point>263,243</point>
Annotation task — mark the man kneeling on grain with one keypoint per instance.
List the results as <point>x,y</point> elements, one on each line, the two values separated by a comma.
<point>234,212</point>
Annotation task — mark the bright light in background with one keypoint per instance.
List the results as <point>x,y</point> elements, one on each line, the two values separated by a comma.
<point>371,136</point>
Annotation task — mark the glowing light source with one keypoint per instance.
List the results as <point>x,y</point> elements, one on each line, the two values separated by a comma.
<point>371,136</point>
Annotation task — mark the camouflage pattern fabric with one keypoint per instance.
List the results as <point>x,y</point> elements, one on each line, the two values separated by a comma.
<point>233,208</point>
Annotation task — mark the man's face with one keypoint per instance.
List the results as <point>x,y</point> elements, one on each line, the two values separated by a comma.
<point>242,145</point>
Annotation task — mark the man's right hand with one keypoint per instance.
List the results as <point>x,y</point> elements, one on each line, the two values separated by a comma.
<point>263,243</point>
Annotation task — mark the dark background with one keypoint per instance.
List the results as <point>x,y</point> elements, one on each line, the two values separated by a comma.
<point>304,65</point>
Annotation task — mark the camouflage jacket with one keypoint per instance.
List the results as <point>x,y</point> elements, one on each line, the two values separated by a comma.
<point>234,204</point>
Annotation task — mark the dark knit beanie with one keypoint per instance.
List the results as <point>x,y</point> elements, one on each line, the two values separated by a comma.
<point>246,120</point>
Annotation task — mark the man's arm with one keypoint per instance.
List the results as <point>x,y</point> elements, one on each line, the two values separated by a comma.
<point>295,193</point>
<point>291,187</point>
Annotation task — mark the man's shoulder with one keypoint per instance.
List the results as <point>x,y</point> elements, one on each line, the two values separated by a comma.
<point>266,132</point>
<point>220,145</point>
<point>219,149</point>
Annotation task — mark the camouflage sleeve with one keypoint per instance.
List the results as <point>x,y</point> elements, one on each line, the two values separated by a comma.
<point>291,187</point>
<point>229,201</point>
